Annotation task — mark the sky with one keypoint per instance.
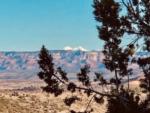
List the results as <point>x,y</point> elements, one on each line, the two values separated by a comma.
<point>26,25</point>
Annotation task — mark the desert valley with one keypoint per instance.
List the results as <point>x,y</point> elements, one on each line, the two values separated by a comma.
<point>20,87</point>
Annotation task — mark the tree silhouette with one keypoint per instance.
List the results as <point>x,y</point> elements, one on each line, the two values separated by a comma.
<point>117,20</point>
<point>47,73</point>
<point>113,27</point>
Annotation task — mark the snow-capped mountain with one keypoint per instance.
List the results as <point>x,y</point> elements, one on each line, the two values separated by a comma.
<point>68,48</point>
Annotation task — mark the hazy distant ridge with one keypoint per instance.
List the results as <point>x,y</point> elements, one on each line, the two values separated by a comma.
<point>18,65</point>
<point>69,60</point>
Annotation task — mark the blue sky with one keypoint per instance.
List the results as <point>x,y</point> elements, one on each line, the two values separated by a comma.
<point>25,25</point>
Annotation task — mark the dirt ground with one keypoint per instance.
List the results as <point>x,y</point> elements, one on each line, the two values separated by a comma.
<point>27,97</point>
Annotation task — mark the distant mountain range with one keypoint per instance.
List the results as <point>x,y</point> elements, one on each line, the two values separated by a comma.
<point>25,63</point>
<point>69,60</point>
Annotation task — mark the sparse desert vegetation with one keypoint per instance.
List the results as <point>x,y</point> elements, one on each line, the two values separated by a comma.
<point>26,100</point>
<point>13,100</point>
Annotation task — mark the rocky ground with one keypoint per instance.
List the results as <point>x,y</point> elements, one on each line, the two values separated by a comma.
<point>26,97</point>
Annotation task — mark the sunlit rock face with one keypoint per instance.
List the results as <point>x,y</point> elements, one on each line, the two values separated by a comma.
<point>69,60</point>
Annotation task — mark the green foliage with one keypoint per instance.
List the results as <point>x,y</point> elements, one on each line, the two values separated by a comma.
<point>127,102</point>
<point>47,73</point>
<point>83,75</point>
<point>113,26</point>
<point>145,82</point>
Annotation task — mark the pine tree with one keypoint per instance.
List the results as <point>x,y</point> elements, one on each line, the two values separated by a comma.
<point>47,72</point>
<point>112,29</point>
<point>116,20</point>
